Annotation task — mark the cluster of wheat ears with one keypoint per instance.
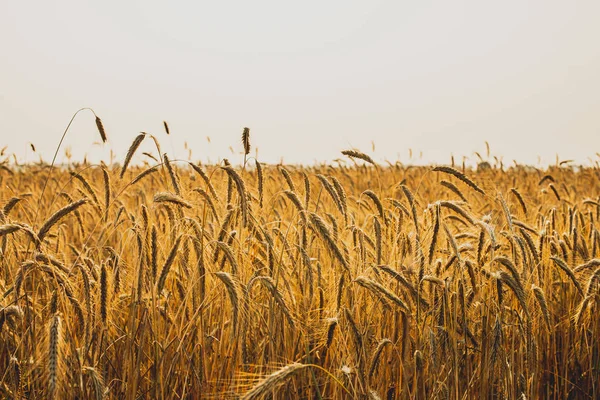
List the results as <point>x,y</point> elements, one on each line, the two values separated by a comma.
<point>358,280</point>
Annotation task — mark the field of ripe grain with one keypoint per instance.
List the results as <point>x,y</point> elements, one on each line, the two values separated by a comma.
<point>356,280</point>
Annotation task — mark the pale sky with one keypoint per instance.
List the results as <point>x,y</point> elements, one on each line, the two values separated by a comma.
<point>310,78</point>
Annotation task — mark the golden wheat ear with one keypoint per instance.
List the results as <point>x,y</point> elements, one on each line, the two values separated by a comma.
<point>134,146</point>
<point>359,155</point>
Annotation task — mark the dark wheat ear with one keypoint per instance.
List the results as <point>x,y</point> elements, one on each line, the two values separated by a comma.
<point>101,130</point>
<point>134,146</point>
<point>166,127</point>
<point>54,218</point>
<point>246,140</point>
<point>359,155</point>
<point>461,176</point>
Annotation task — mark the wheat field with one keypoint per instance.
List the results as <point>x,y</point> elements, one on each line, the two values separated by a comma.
<point>177,280</point>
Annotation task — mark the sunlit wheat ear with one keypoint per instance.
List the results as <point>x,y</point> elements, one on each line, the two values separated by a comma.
<point>381,291</point>
<point>268,283</point>
<point>7,229</point>
<point>54,341</point>
<point>10,204</point>
<point>273,381</point>
<point>436,229</point>
<point>101,130</point>
<point>106,192</point>
<point>404,282</point>
<point>206,180</point>
<point>516,288</point>
<point>241,189</point>
<point>359,155</point>
<point>331,190</point>
<point>377,354</point>
<point>15,369</point>
<point>234,292</point>
<point>167,266</point>
<point>131,151</point>
<point>287,177</point>
<point>411,200</point>
<point>10,312</point>
<point>319,226</point>
<point>246,140</point>
<point>172,175</point>
<point>171,198</point>
<point>229,255</point>
<point>378,239</point>
<point>340,292</point>
<point>454,189</point>
<point>581,308</point>
<point>370,194</point>
<point>496,340</point>
<point>86,185</point>
<point>588,265</point>
<point>461,176</point>
<point>306,189</point>
<point>154,252</point>
<point>555,191</point>
<point>50,222</point>
<point>541,299</point>
<point>506,210</point>
<point>260,178</point>
<point>144,174</point>
<point>332,323</point>
<point>593,283</point>
<point>209,200</point>
<point>520,199</point>
<point>103,294</point>
<point>510,266</point>
<point>341,195</point>
<point>97,382</point>
<point>296,201</point>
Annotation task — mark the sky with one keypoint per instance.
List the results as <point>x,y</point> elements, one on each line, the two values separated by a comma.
<point>309,78</point>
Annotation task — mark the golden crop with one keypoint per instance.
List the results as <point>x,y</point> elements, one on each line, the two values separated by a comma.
<point>350,281</point>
